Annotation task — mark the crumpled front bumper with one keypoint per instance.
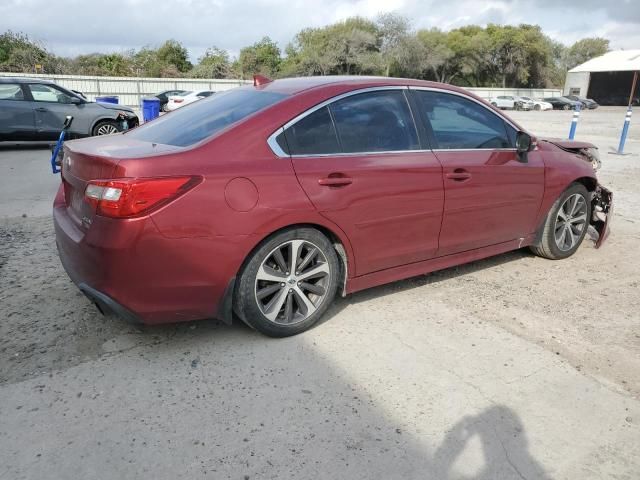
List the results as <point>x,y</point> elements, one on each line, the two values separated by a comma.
<point>601,213</point>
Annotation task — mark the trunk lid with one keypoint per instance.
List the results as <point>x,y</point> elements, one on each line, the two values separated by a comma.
<point>98,158</point>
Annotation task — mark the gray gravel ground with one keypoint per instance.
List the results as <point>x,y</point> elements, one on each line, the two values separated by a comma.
<point>510,367</point>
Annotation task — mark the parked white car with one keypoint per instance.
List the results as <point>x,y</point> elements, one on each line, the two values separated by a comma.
<point>510,102</point>
<point>539,104</point>
<point>177,101</point>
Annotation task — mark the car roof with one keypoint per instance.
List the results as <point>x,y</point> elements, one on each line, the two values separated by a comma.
<point>24,80</point>
<point>292,86</point>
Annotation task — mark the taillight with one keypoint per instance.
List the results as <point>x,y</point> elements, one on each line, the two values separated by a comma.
<point>132,197</point>
<point>178,100</point>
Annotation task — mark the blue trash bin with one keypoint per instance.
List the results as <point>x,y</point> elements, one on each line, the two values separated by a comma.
<point>110,99</point>
<point>150,108</point>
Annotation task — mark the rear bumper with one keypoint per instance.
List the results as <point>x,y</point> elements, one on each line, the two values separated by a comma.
<point>106,304</point>
<point>131,269</point>
<point>602,213</point>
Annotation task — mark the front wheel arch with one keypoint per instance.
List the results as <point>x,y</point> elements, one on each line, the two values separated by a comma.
<point>540,246</point>
<point>100,121</point>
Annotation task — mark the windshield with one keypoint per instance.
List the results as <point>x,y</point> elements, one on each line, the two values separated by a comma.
<point>199,120</point>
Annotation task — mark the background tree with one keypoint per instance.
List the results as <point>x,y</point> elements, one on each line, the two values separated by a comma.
<point>18,53</point>
<point>173,54</point>
<point>495,55</point>
<point>213,64</point>
<point>262,57</point>
<point>584,50</point>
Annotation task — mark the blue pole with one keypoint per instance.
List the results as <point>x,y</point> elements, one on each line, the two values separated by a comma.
<point>54,156</point>
<point>625,131</point>
<point>574,122</point>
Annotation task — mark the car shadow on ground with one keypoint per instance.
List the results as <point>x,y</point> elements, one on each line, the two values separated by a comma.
<point>340,303</point>
<point>22,146</point>
<point>313,405</point>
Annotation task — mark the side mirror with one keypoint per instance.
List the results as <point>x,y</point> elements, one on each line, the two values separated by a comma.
<point>523,145</point>
<point>75,101</point>
<point>67,122</point>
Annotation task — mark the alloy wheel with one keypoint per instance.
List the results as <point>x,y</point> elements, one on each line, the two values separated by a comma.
<point>107,129</point>
<point>292,282</point>
<point>571,221</point>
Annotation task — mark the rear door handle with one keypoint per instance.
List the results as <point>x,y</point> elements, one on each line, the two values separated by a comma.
<point>41,109</point>
<point>458,175</point>
<point>335,181</point>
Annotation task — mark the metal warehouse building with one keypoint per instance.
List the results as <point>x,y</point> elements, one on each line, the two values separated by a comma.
<point>607,79</point>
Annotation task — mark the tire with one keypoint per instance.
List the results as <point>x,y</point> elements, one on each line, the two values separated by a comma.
<point>557,241</point>
<point>164,108</point>
<point>107,127</point>
<point>279,303</point>
<point>536,108</point>
<point>566,107</point>
<point>494,104</point>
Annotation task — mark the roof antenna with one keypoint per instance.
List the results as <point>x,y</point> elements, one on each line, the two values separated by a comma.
<point>260,80</point>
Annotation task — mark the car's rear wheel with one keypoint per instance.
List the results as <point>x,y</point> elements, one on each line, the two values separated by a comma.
<point>288,282</point>
<point>494,104</point>
<point>566,224</point>
<point>536,107</point>
<point>164,108</point>
<point>566,107</point>
<point>105,127</point>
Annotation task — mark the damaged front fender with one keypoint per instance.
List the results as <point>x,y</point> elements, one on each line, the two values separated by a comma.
<point>601,213</point>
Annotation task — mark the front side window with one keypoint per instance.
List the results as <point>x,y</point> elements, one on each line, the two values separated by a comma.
<point>48,93</point>
<point>460,123</point>
<point>378,121</point>
<point>199,120</point>
<point>11,91</point>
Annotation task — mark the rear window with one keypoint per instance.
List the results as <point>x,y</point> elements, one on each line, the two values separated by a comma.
<point>195,122</point>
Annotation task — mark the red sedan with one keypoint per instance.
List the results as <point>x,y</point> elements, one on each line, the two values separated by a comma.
<point>264,202</point>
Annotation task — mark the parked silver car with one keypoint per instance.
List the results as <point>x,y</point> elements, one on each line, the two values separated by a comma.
<point>34,109</point>
<point>510,102</point>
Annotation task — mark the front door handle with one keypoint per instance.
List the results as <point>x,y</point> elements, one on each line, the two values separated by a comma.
<point>335,181</point>
<point>41,109</point>
<point>458,175</point>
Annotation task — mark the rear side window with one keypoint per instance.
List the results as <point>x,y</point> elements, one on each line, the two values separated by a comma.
<point>314,134</point>
<point>199,120</point>
<point>378,121</point>
<point>459,123</point>
<point>11,91</point>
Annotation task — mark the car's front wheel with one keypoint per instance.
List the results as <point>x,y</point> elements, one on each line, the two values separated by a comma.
<point>566,224</point>
<point>288,282</point>
<point>105,127</point>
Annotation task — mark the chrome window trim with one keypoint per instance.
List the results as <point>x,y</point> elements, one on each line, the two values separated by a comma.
<point>459,94</point>
<point>273,144</point>
<point>277,150</point>
<point>271,141</point>
<point>357,154</point>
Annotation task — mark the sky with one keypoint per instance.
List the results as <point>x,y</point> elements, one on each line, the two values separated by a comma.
<point>71,27</point>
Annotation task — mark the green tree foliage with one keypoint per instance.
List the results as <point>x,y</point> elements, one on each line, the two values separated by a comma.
<point>493,56</point>
<point>20,54</point>
<point>262,57</point>
<point>213,64</point>
<point>351,47</point>
<point>584,50</point>
<point>173,54</point>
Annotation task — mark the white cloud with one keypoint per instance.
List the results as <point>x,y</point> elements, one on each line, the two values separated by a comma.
<point>70,27</point>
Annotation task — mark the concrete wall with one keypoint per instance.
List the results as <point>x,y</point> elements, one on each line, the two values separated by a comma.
<point>577,80</point>
<point>520,92</point>
<point>131,90</point>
